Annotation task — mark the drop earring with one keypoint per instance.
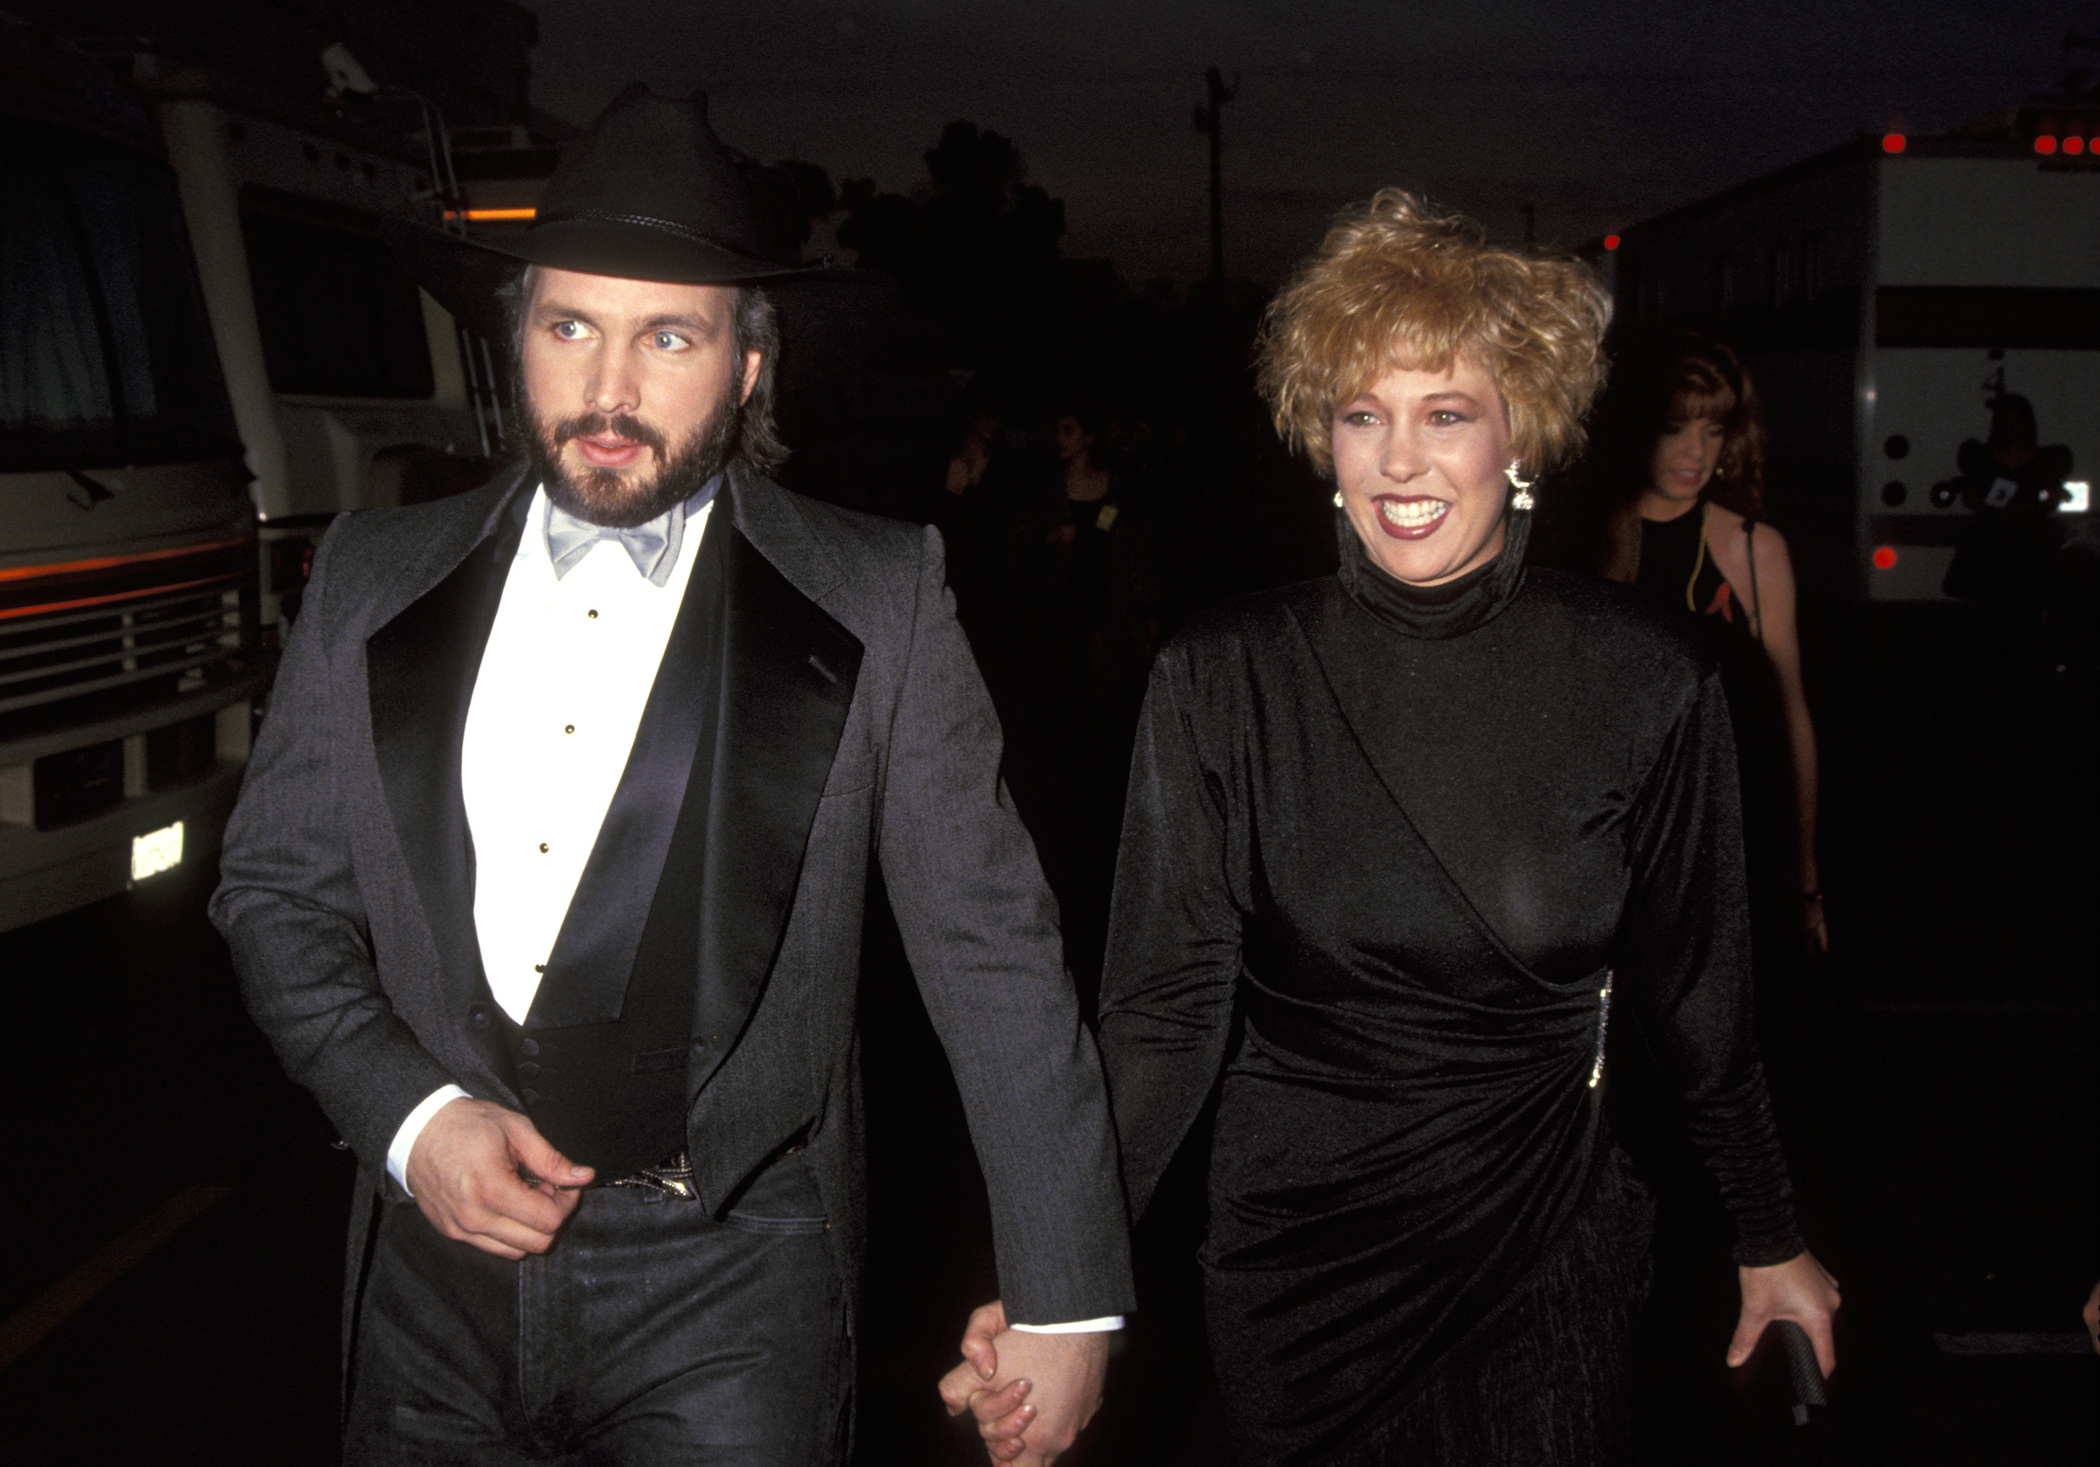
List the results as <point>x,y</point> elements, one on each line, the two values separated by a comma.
<point>1522,498</point>
<point>1337,499</point>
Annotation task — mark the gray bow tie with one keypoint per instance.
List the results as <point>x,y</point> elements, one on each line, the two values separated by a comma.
<point>652,546</point>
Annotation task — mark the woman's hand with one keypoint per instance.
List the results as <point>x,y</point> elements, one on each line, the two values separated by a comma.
<point>1798,1289</point>
<point>1815,927</point>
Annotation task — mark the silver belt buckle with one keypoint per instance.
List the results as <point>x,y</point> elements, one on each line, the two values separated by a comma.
<point>673,1178</point>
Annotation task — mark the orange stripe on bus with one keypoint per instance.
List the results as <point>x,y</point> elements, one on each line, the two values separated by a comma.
<point>26,572</point>
<point>161,590</point>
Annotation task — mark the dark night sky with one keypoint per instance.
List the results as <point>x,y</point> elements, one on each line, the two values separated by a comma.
<point>1598,114</point>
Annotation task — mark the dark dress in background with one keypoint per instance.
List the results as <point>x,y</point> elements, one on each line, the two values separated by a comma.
<point>1386,848</point>
<point>1677,574</point>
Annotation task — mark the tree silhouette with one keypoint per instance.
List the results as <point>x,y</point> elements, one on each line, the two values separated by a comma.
<point>975,248</point>
<point>792,196</point>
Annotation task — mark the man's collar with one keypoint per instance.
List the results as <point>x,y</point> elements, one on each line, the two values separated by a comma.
<point>654,545</point>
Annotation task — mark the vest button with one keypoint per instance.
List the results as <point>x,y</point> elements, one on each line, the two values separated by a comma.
<point>529,1095</point>
<point>530,1070</point>
<point>478,1016</point>
<point>530,1047</point>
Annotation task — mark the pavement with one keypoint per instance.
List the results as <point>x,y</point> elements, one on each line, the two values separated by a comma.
<point>170,1288</point>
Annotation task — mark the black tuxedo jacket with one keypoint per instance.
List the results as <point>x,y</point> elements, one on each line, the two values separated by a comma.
<point>854,724</point>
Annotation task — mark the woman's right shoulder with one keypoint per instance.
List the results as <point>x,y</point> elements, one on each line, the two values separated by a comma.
<point>1245,625</point>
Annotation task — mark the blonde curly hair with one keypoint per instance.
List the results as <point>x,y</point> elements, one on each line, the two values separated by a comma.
<point>1398,283</point>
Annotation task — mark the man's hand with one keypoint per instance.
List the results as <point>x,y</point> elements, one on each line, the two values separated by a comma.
<point>1797,1289</point>
<point>484,1175</point>
<point>1030,1393</point>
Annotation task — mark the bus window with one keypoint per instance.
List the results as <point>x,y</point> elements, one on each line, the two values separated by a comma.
<point>2031,318</point>
<point>339,317</point>
<point>105,354</point>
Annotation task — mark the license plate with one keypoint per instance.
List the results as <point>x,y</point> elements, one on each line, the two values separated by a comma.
<point>156,851</point>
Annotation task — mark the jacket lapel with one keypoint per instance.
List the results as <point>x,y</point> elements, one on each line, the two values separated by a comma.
<point>420,670</point>
<point>788,676</point>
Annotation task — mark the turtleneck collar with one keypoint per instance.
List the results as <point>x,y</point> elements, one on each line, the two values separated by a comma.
<point>1435,612</point>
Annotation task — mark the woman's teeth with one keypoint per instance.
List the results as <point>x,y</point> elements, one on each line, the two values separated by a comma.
<point>1412,514</point>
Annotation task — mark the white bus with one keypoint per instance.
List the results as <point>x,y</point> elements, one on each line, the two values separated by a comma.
<point>1887,295</point>
<point>349,383</point>
<point>128,665</point>
<point>351,388</point>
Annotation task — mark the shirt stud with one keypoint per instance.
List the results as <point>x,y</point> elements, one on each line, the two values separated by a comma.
<point>543,848</point>
<point>592,613</point>
<point>568,728</point>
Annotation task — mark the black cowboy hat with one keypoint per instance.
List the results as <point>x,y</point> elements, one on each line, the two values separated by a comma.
<point>648,192</point>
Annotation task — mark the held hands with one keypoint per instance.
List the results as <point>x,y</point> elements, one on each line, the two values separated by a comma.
<point>1798,1289</point>
<point>484,1175</point>
<point>1030,1393</point>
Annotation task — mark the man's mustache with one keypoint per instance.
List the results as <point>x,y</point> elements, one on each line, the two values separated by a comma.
<point>601,425</point>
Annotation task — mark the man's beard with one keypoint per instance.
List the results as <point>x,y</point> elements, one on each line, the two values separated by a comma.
<point>614,497</point>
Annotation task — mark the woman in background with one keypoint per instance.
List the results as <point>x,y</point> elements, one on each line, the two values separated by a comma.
<point>1680,461</point>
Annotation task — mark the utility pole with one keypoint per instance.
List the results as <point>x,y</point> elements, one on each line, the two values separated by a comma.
<point>1217,94</point>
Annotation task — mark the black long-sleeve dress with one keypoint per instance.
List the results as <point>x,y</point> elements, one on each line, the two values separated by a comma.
<point>1414,836</point>
<point>1677,574</point>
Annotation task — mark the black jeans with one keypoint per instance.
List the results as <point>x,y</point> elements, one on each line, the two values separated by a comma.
<point>650,1333</point>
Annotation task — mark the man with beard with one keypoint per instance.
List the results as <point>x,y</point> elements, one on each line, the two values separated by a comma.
<point>547,879</point>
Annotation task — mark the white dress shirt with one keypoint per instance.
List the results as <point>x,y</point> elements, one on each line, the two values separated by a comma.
<point>564,678</point>
<point>568,669</point>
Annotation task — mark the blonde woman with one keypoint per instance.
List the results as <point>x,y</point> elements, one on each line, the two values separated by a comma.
<point>1401,843</point>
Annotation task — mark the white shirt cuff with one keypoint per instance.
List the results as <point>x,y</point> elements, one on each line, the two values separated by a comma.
<point>1072,1327</point>
<point>405,1138</point>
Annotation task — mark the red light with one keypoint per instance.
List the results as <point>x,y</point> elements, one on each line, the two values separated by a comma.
<point>1611,241</point>
<point>2045,144</point>
<point>1885,557</point>
<point>2074,145</point>
<point>1893,142</point>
